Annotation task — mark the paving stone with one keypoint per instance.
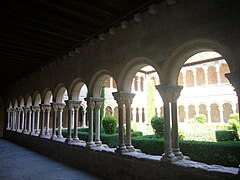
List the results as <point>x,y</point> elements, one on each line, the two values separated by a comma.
<point>18,163</point>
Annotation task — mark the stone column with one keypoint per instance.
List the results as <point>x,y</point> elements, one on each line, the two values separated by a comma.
<point>60,107</point>
<point>166,92</point>
<point>90,107</point>
<point>23,119</point>
<point>48,109</point>
<point>70,107</point>
<point>128,101</point>
<point>55,111</point>
<point>29,120</point>
<point>26,119</point>
<point>19,119</point>
<point>33,120</point>
<point>234,78</point>
<point>8,119</point>
<point>14,119</point>
<point>98,103</point>
<point>42,121</point>
<point>37,118</point>
<point>83,118</point>
<point>76,119</point>
<point>118,96</point>
<point>175,140</point>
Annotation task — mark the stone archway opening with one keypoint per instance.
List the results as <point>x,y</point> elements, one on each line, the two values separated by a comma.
<point>147,102</point>
<point>206,92</point>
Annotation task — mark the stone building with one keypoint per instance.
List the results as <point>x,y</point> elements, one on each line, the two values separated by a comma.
<point>163,35</point>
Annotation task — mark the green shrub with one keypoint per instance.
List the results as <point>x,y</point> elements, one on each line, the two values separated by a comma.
<point>223,127</point>
<point>136,134</point>
<point>157,124</point>
<point>222,153</point>
<point>181,135</point>
<point>234,123</point>
<point>109,124</point>
<point>200,118</point>
<point>226,135</point>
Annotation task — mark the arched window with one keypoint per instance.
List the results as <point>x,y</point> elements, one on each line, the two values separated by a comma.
<point>191,111</point>
<point>143,115</point>
<point>189,78</point>
<point>212,75</point>
<point>142,84</point>
<point>200,77</point>
<point>180,79</point>
<point>223,70</point>
<point>181,113</point>
<point>137,114</point>
<point>136,83</point>
<point>215,113</point>
<point>227,111</point>
<point>203,110</point>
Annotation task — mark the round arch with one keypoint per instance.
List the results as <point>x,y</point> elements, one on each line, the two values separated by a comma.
<point>28,101</point>
<point>128,73</point>
<point>21,104</point>
<point>60,94</point>
<point>15,103</point>
<point>47,96</point>
<point>36,98</point>
<point>97,81</point>
<point>174,63</point>
<point>75,89</point>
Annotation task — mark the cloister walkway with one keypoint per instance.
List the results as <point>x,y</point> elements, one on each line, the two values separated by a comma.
<point>18,163</point>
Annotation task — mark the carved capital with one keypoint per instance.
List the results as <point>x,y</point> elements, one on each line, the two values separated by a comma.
<point>90,102</point>
<point>26,109</point>
<point>169,93</point>
<point>234,79</point>
<point>45,107</point>
<point>35,108</point>
<point>73,104</point>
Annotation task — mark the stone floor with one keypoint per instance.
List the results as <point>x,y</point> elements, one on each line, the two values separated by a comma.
<point>18,163</point>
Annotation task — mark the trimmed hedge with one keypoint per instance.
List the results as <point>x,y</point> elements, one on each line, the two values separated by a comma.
<point>110,139</point>
<point>222,153</point>
<point>226,135</point>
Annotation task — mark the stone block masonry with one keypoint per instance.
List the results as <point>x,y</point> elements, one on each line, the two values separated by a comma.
<point>106,163</point>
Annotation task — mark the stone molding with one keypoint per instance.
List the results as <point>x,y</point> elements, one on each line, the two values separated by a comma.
<point>169,93</point>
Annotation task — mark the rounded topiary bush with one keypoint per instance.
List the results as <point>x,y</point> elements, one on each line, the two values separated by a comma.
<point>200,118</point>
<point>157,124</point>
<point>109,124</point>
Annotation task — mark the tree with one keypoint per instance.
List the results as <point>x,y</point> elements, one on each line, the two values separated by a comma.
<point>150,100</point>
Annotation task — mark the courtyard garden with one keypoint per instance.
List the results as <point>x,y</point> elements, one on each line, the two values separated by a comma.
<point>201,141</point>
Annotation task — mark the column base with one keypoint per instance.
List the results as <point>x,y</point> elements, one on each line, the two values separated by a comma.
<point>26,132</point>
<point>84,126</point>
<point>69,140</point>
<point>37,132</point>
<point>178,154</point>
<point>19,130</point>
<point>121,149</point>
<point>98,143</point>
<point>41,135</point>
<point>32,133</point>
<point>59,136</point>
<point>53,136</point>
<point>90,144</point>
<point>168,158</point>
<point>47,134</point>
<point>76,139</point>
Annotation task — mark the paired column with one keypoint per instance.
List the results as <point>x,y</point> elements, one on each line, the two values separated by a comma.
<point>37,117</point>
<point>170,94</point>
<point>42,106</point>
<point>128,102</point>
<point>73,110</point>
<point>83,113</point>
<point>19,119</point>
<point>90,107</point>
<point>33,120</point>
<point>124,98</point>
<point>27,118</point>
<point>9,119</point>
<point>98,103</point>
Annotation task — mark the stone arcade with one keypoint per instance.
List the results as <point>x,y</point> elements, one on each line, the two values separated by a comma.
<point>164,37</point>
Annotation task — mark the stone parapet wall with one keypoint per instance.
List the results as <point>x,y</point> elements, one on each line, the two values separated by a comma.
<point>107,164</point>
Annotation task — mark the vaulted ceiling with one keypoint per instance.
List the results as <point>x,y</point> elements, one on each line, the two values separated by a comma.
<point>35,32</point>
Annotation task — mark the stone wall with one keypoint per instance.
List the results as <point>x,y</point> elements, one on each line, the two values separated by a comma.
<point>107,164</point>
